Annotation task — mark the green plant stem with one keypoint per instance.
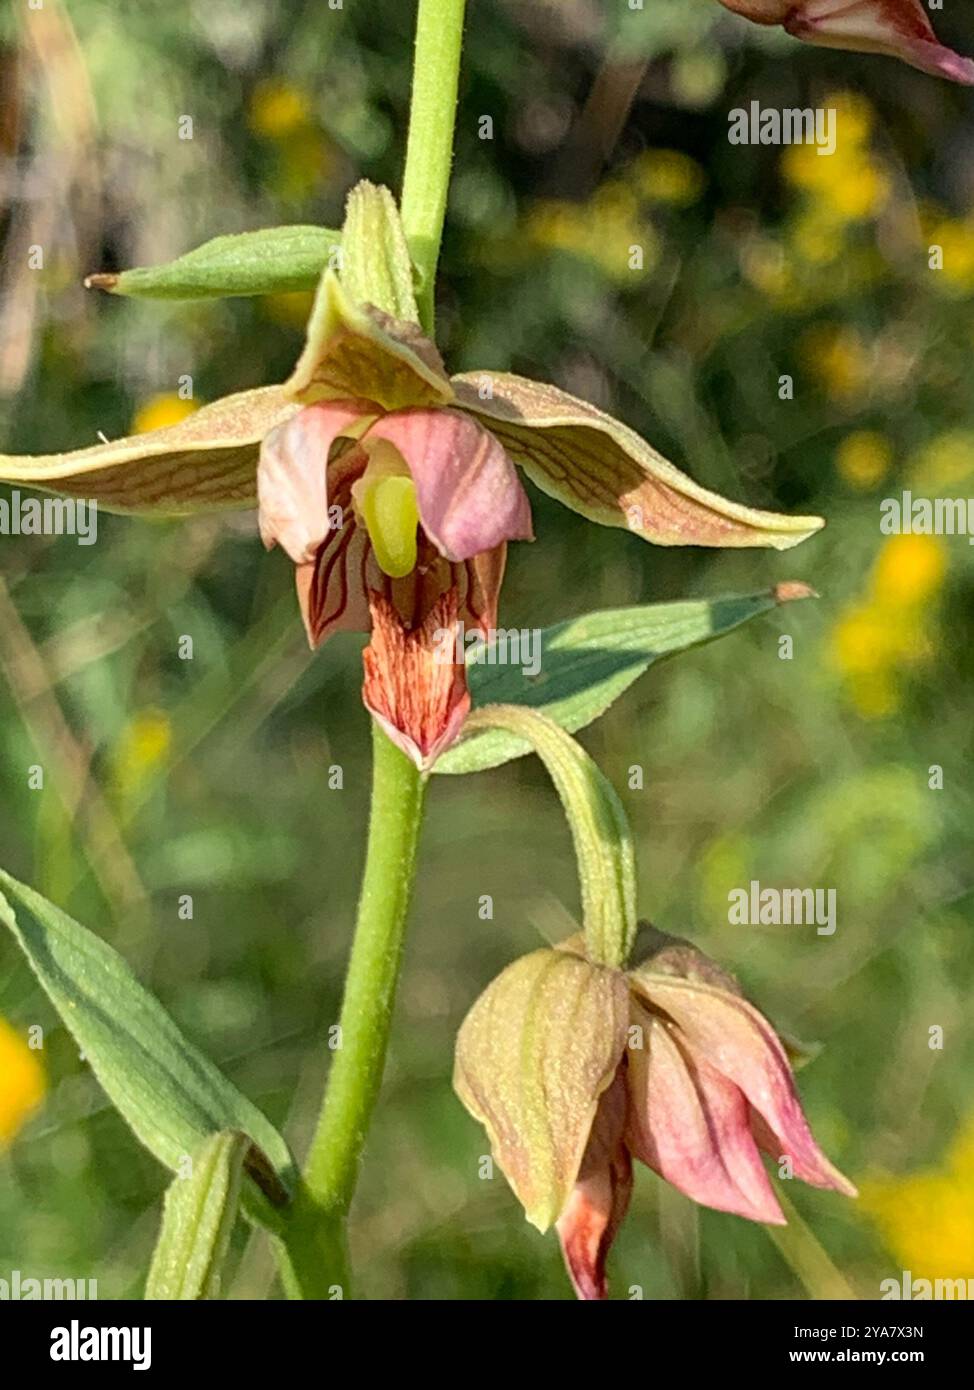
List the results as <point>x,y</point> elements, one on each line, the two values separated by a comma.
<point>429,150</point>
<point>315,1234</point>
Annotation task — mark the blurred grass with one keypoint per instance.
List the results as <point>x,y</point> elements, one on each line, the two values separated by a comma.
<point>211,776</point>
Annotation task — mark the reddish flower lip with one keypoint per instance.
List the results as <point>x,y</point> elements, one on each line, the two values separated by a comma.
<point>419,698</point>
<point>333,588</point>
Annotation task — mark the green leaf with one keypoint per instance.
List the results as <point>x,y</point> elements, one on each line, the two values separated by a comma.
<point>587,663</point>
<point>269,261</point>
<point>198,1219</point>
<point>170,1094</point>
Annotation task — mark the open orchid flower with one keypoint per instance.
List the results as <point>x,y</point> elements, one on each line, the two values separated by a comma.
<point>898,28</point>
<point>381,476</point>
<point>575,1069</point>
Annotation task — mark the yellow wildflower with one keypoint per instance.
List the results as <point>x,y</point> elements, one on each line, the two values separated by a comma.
<point>143,747</point>
<point>863,459</point>
<point>909,571</point>
<point>860,190</point>
<point>667,176</point>
<point>955,263</point>
<point>162,410</point>
<point>278,109</point>
<point>22,1082</point>
<point>836,355</point>
<point>864,641</point>
<point>878,638</point>
<point>606,231</point>
<point>848,185</point>
<point>927,1218</point>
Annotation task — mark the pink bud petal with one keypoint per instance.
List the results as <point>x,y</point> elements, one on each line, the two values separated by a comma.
<point>292,488</point>
<point>600,1198</point>
<point>741,1044</point>
<point>690,1124</point>
<point>469,495</point>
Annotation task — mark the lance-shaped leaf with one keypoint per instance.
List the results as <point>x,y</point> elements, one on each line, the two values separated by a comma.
<point>580,667</point>
<point>603,470</point>
<point>534,1054</point>
<point>167,1091</point>
<point>199,1213</point>
<point>273,260</point>
<point>600,829</point>
<point>205,463</point>
<point>359,351</point>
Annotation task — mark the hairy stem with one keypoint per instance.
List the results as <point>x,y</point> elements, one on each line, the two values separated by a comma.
<point>315,1243</point>
<point>429,150</point>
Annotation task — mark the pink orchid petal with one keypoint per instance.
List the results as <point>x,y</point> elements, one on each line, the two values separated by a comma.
<point>690,1124</point>
<point>469,496</point>
<point>333,588</point>
<point>741,1044</point>
<point>292,487</point>
<point>600,1198</point>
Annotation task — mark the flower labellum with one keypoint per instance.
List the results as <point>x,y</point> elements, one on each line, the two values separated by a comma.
<point>576,1069</point>
<point>413,685</point>
<point>897,28</point>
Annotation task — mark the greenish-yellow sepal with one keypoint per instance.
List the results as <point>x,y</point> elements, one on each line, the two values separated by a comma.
<point>533,1057</point>
<point>356,352</point>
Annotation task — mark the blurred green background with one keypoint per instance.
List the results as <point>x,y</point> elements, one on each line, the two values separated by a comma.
<point>210,776</point>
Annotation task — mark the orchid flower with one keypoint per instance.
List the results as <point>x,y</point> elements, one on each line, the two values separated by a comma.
<point>897,28</point>
<point>382,477</point>
<point>575,1069</point>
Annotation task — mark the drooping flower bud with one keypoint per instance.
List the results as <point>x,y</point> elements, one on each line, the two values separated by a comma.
<point>576,1069</point>
<point>533,1056</point>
